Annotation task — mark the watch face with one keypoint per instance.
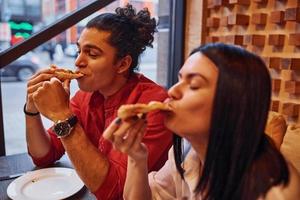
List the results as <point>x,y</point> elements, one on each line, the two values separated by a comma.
<point>62,128</point>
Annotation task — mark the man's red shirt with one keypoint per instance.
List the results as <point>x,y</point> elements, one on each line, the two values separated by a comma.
<point>95,113</point>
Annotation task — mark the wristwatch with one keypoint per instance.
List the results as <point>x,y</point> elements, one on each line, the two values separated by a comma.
<point>63,128</point>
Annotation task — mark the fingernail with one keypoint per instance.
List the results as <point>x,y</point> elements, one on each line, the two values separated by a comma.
<point>118,121</point>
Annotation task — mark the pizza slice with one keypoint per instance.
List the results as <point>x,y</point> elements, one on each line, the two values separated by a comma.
<point>64,74</point>
<point>130,110</point>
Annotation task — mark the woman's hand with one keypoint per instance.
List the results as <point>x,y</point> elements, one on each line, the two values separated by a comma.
<point>126,136</point>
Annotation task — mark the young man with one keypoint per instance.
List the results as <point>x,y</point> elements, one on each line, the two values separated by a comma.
<point>109,48</point>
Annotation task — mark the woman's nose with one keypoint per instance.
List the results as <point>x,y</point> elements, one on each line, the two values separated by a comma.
<point>174,92</point>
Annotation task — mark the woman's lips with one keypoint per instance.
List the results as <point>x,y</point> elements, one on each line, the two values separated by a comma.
<point>168,101</point>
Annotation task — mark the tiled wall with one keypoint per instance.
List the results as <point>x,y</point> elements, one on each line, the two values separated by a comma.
<point>271,29</point>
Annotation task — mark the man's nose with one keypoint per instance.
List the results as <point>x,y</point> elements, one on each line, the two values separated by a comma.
<point>80,61</point>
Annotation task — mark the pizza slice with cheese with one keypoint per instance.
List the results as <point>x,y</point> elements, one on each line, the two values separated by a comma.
<point>64,74</point>
<point>130,110</point>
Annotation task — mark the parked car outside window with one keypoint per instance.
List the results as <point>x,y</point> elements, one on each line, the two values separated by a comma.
<point>22,68</point>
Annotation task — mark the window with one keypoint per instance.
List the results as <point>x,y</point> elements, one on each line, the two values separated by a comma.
<point>13,81</point>
<point>15,7</point>
<point>33,8</point>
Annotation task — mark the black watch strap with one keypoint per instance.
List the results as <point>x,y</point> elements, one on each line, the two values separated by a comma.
<point>72,120</point>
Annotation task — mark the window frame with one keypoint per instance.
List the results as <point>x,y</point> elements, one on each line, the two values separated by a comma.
<point>176,42</point>
<point>14,52</point>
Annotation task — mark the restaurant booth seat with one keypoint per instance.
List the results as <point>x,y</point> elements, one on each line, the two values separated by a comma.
<point>286,137</point>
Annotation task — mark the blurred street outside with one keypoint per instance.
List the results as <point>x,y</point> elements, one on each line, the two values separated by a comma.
<point>14,96</point>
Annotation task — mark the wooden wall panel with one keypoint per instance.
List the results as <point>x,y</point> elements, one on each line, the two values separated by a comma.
<point>196,18</point>
<point>269,28</point>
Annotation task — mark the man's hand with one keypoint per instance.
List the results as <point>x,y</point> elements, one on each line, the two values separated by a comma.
<point>51,99</point>
<point>33,84</point>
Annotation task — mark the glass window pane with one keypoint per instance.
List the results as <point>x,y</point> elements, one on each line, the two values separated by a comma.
<point>18,7</point>
<point>61,50</point>
<point>33,8</point>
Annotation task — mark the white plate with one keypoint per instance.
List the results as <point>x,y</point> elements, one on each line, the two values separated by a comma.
<point>45,184</point>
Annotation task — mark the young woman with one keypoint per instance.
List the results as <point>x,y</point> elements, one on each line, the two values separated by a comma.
<point>108,52</point>
<point>219,111</point>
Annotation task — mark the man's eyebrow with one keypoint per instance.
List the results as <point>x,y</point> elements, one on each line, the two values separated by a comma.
<point>90,46</point>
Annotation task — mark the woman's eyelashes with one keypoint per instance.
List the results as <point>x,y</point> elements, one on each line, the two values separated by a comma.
<point>194,86</point>
<point>195,83</point>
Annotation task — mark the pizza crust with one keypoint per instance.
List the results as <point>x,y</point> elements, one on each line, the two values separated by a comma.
<point>65,74</point>
<point>130,110</point>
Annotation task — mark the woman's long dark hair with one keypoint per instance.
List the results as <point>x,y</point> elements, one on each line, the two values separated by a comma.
<point>240,162</point>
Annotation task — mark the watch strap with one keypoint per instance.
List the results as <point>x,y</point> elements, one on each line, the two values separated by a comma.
<point>72,120</point>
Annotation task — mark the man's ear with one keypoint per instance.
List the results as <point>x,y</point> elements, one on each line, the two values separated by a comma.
<point>124,64</point>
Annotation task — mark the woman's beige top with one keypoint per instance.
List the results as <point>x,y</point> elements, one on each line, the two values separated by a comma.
<point>166,184</point>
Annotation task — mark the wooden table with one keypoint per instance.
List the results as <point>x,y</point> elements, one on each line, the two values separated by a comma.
<point>22,163</point>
